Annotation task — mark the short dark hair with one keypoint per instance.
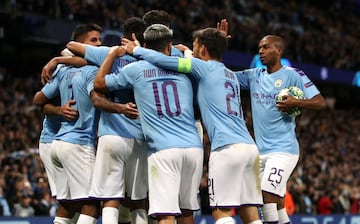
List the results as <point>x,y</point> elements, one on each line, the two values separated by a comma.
<point>157,36</point>
<point>214,40</point>
<point>82,29</point>
<point>134,25</point>
<point>157,17</point>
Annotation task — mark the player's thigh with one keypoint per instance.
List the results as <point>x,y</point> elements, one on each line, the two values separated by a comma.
<point>136,180</point>
<point>251,183</point>
<point>112,155</point>
<point>233,172</point>
<point>191,174</point>
<point>277,168</point>
<point>60,176</point>
<point>78,162</point>
<point>164,176</point>
<point>45,155</point>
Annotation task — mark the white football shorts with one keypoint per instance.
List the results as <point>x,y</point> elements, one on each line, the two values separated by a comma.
<point>275,170</point>
<point>74,169</point>
<point>234,178</point>
<point>174,180</point>
<point>44,152</point>
<point>120,167</point>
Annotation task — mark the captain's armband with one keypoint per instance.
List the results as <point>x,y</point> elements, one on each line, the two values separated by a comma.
<point>184,65</point>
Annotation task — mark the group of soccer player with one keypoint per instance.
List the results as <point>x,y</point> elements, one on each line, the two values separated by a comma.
<point>120,127</point>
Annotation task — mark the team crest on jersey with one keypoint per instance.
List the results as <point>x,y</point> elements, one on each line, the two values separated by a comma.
<point>278,83</point>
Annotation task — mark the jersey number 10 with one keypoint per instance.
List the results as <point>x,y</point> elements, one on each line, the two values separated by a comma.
<point>165,88</point>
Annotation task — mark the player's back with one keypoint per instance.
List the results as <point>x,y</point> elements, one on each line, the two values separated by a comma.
<point>165,103</point>
<point>77,84</point>
<point>220,104</point>
<point>113,123</point>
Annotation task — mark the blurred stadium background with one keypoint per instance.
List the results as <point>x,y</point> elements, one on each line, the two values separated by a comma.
<point>323,39</point>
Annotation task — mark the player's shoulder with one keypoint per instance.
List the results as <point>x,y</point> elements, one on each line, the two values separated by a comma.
<point>250,71</point>
<point>293,71</point>
<point>141,64</point>
<point>127,58</point>
<point>137,66</point>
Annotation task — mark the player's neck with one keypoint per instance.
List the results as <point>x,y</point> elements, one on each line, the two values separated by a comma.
<point>273,68</point>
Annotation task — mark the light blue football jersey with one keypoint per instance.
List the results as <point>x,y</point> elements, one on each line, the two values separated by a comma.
<point>75,84</point>
<point>165,103</point>
<point>274,131</point>
<point>176,52</point>
<point>113,123</point>
<point>218,97</point>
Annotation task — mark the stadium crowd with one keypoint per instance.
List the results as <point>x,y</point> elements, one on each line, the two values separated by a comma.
<point>314,27</point>
<point>327,178</point>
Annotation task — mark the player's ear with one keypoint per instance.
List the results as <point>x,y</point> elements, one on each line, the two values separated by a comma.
<point>203,50</point>
<point>169,48</point>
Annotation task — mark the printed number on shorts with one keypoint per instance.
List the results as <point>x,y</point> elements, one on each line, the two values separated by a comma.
<point>234,94</point>
<point>211,188</point>
<point>275,175</point>
<point>169,90</point>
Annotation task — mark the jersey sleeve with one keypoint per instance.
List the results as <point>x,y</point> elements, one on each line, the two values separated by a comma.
<point>244,78</point>
<point>118,80</point>
<point>192,66</point>
<point>176,52</point>
<point>51,88</point>
<point>305,84</point>
<point>96,55</point>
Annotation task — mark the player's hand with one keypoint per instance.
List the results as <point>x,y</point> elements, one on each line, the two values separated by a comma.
<point>69,113</point>
<point>223,26</point>
<point>129,110</point>
<point>67,52</point>
<point>47,71</point>
<point>187,51</point>
<point>181,47</point>
<point>117,51</point>
<point>129,45</point>
<point>288,102</point>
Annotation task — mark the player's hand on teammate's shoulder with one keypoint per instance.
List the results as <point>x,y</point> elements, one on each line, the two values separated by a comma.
<point>187,51</point>
<point>117,51</point>
<point>182,47</point>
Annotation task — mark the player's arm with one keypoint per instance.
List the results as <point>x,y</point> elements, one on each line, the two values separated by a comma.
<point>244,78</point>
<point>177,64</point>
<point>101,102</point>
<point>105,68</point>
<point>49,68</point>
<point>66,111</point>
<point>315,103</point>
<point>76,48</point>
